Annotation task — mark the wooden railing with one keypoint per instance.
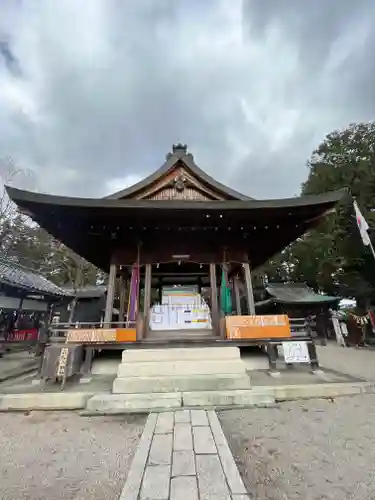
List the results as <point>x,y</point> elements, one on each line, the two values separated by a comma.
<point>302,326</point>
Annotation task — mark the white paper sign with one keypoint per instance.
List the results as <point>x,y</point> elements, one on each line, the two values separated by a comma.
<point>344,329</point>
<point>296,352</point>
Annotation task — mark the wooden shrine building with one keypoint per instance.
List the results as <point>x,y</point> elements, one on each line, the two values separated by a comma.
<point>179,226</point>
<point>26,300</point>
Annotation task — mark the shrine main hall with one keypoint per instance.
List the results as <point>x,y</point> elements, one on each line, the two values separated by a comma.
<point>178,238</point>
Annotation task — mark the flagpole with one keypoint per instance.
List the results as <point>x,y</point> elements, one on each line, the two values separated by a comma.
<point>372,249</point>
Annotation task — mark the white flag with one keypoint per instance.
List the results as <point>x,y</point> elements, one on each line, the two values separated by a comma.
<point>362,225</point>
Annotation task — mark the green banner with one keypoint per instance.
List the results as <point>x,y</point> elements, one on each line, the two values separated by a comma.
<point>225,295</point>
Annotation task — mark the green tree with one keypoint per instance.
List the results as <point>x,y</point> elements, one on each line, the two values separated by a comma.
<point>25,242</point>
<point>14,229</point>
<point>332,258</point>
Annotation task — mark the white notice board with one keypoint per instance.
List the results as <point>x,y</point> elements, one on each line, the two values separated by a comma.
<point>296,352</point>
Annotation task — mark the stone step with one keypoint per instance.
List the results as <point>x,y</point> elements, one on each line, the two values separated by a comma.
<point>180,354</point>
<point>217,382</point>
<point>227,398</point>
<point>123,403</point>
<point>173,368</point>
<point>112,403</point>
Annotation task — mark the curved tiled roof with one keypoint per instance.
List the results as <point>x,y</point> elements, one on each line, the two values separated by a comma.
<point>87,292</point>
<point>14,274</point>
<point>297,293</point>
<point>26,199</point>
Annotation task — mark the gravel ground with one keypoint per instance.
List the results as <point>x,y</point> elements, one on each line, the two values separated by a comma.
<point>313,450</point>
<point>14,363</point>
<point>60,455</point>
<point>354,362</point>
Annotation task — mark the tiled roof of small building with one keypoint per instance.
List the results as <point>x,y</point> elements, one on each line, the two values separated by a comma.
<point>14,274</point>
<point>87,292</point>
<point>297,293</point>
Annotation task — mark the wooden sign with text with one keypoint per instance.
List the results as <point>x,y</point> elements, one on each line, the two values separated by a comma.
<point>101,335</point>
<point>257,327</point>
<point>91,335</point>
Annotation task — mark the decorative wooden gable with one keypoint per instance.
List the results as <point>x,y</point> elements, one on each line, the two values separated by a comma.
<point>179,179</point>
<point>179,184</point>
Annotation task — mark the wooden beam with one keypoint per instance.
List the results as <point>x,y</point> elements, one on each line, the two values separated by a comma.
<point>237,295</point>
<point>161,274</point>
<point>249,289</point>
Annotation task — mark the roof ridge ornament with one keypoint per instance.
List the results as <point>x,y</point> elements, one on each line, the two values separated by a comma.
<point>179,149</point>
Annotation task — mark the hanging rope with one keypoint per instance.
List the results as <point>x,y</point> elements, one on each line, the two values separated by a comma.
<point>360,320</point>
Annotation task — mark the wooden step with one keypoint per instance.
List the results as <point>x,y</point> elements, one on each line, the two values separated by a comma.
<point>180,335</point>
<point>185,342</point>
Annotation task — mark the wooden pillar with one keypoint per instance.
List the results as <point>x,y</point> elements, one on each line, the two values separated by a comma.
<point>271,350</point>
<point>237,296</point>
<point>313,356</point>
<point>73,305</point>
<point>87,364</point>
<point>123,284</point>
<point>147,294</point>
<point>110,296</point>
<point>214,301</point>
<point>200,285</point>
<point>249,289</point>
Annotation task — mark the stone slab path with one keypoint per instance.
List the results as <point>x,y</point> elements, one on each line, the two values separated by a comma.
<point>183,455</point>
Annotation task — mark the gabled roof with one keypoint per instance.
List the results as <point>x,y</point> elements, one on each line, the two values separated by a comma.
<point>179,154</point>
<point>295,293</point>
<point>15,275</point>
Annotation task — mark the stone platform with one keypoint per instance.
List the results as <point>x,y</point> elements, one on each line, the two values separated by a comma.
<point>23,394</point>
<point>183,455</point>
<point>170,378</point>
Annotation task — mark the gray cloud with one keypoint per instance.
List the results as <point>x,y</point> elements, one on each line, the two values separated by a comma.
<point>251,87</point>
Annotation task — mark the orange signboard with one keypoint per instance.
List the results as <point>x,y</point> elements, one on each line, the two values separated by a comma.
<point>126,335</point>
<point>257,327</point>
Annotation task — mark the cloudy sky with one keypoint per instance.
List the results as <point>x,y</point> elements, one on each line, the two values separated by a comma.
<point>95,92</point>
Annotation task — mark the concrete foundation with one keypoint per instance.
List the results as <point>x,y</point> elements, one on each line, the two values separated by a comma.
<point>44,401</point>
<point>107,403</point>
<point>227,398</point>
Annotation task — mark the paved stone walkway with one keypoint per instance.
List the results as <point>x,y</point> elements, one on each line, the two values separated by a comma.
<point>183,455</point>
